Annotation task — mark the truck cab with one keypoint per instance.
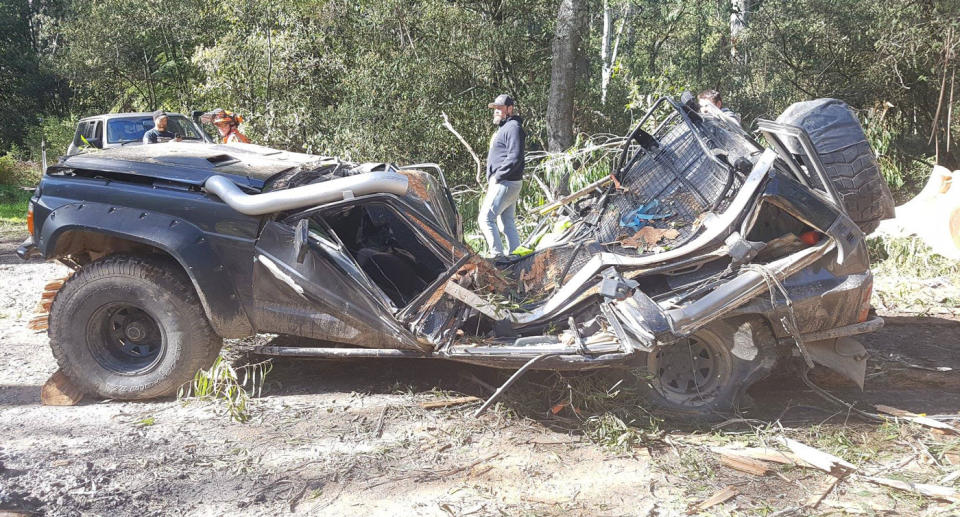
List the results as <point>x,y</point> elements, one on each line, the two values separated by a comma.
<point>120,129</point>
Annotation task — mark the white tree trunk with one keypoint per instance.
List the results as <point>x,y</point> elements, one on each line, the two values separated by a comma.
<point>608,57</point>
<point>739,14</point>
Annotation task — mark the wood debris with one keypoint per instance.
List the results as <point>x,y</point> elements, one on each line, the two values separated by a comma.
<point>42,321</point>
<point>814,500</point>
<point>819,459</point>
<point>935,491</point>
<point>434,404</point>
<point>649,236</point>
<point>726,494</point>
<point>60,391</point>
<point>918,419</point>
<point>761,453</point>
<point>744,464</point>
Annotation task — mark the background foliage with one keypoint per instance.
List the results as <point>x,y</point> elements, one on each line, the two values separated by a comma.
<point>369,79</point>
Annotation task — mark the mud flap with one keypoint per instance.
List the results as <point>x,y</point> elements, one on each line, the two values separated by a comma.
<point>844,355</point>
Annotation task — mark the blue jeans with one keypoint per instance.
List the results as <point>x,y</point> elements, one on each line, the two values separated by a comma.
<point>500,202</point>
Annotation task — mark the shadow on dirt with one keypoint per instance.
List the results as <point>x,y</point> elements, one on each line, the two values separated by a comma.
<point>903,372</point>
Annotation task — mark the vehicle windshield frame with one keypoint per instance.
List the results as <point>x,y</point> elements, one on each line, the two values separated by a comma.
<point>189,130</point>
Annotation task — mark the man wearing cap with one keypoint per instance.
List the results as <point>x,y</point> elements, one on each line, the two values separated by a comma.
<point>504,177</point>
<point>159,130</point>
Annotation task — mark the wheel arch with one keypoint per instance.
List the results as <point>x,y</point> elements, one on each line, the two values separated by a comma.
<point>82,232</point>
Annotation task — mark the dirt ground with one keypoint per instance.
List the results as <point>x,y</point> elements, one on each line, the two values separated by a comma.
<point>350,438</point>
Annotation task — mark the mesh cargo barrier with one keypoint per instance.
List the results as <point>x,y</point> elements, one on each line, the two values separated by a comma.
<point>680,175</point>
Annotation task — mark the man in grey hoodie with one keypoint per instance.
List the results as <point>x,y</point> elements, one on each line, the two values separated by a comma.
<point>504,177</point>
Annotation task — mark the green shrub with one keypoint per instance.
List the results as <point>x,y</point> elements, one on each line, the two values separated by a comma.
<point>18,173</point>
<point>57,131</point>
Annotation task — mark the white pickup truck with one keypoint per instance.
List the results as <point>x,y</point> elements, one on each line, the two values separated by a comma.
<point>120,129</point>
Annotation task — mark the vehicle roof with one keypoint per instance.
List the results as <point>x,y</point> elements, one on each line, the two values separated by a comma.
<point>127,115</point>
<point>193,163</point>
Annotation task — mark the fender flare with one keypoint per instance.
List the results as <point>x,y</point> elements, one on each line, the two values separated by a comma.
<point>184,242</point>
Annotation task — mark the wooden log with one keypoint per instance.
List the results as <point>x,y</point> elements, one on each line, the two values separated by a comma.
<point>60,391</point>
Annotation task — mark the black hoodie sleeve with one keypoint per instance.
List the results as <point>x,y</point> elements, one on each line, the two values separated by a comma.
<point>510,167</point>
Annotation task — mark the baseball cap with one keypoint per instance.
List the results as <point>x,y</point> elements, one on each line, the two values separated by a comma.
<point>501,100</point>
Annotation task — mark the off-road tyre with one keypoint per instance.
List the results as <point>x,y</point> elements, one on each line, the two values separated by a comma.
<point>856,177</point>
<point>847,158</point>
<point>130,327</point>
<point>705,377</point>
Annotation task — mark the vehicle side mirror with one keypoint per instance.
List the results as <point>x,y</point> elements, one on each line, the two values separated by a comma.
<point>95,142</point>
<point>301,239</point>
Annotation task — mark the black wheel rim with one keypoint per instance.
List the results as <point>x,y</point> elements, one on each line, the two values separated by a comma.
<point>125,339</point>
<point>688,370</point>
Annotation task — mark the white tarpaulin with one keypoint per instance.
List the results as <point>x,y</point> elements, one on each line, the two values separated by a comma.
<point>933,215</point>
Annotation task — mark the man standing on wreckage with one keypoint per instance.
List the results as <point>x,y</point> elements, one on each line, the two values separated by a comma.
<point>504,178</point>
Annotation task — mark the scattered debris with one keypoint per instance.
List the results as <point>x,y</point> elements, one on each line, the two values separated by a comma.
<point>649,236</point>
<point>724,495</point>
<point>744,464</point>
<point>918,419</point>
<point>814,500</point>
<point>819,459</point>
<point>761,453</point>
<point>935,491</point>
<point>434,404</point>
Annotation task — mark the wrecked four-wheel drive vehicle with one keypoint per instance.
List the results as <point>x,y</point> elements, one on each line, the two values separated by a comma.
<point>703,260</point>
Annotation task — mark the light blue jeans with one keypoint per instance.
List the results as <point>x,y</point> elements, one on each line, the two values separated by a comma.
<point>500,202</point>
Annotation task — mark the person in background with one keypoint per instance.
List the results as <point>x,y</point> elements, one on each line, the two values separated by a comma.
<point>227,123</point>
<point>713,97</point>
<point>159,132</point>
<point>504,177</point>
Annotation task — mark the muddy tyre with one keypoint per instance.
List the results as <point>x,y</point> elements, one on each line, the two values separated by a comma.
<point>847,158</point>
<point>705,376</point>
<point>130,328</point>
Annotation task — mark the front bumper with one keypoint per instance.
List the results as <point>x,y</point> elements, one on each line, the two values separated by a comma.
<point>28,250</point>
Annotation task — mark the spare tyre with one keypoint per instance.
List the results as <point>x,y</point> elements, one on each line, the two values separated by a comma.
<point>847,158</point>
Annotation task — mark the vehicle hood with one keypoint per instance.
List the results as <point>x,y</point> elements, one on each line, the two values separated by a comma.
<point>192,163</point>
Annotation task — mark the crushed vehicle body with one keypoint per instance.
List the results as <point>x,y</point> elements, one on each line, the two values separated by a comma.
<point>703,258</point>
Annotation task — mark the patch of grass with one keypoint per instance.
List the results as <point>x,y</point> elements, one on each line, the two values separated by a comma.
<point>13,204</point>
<point>910,276</point>
<point>231,386</point>
<point>909,256</point>
<point>146,422</point>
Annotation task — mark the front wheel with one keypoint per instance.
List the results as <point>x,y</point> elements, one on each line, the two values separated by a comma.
<point>706,374</point>
<point>131,328</point>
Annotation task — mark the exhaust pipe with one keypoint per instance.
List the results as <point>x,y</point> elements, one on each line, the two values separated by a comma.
<point>379,182</point>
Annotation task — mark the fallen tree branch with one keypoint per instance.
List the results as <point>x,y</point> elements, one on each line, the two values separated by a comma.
<point>434,404</point>
<point>935,491</point>
<point>449,126</point>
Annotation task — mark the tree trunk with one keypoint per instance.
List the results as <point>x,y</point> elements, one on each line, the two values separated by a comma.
<point>566,42</point>
<point>739,14</point>
<point>608,57</point>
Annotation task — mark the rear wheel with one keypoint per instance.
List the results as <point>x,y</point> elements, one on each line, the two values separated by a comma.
<point>128,327</point>
<point>706,375</point>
